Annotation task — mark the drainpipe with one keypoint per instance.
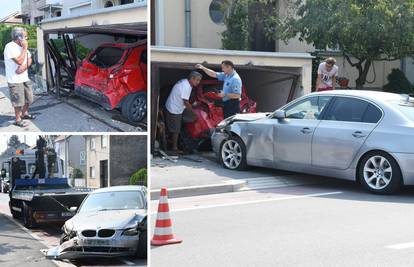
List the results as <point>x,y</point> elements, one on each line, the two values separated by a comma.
<point>187,23</point>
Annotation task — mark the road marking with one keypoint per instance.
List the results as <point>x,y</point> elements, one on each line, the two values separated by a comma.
<point>127,262</point>
<point>402,245</point>
<point>254,201</point>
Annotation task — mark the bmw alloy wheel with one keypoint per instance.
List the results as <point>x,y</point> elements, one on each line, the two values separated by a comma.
<point>231,154</point>
<point>377,172</point>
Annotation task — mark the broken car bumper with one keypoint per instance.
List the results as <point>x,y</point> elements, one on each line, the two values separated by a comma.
<point>93,247</point>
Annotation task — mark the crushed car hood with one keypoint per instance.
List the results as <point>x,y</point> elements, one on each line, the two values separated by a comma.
<point>249,116</point>
<point>116,219</point>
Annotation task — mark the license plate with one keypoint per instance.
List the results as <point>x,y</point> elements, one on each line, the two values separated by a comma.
<point>67,214</point>
<point>96,242</point>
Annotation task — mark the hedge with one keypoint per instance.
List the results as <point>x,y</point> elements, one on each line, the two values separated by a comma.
<point>139,177</point>
<point>5,35</point>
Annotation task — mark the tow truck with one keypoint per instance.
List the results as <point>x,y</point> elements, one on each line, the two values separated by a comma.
<point>39,193</point>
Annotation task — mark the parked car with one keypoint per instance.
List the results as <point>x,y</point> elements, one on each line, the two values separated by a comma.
<point>115,76</point>
<point>111,222</point>
<point>5,185</point>
<point>208,110</point>
<point>4,181</point>
<point>356,135</point>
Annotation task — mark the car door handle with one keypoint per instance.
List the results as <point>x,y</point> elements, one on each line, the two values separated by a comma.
<point>358,134</point>
<point>306,130</point>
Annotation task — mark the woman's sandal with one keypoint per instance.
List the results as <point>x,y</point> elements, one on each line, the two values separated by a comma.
<point>29,117</point>
<point>20,124</point>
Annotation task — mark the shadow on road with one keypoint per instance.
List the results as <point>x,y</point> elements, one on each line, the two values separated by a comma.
<point>354,190</point>
<point>6,248</point>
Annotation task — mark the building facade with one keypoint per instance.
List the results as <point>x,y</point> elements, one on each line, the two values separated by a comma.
<point>199,24</point>
<point>111,160</point>
<point>72,151</point>
<point>35,11</point>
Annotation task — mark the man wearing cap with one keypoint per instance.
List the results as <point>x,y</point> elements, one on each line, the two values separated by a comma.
<point>232,86</point>
<point>177,102</point>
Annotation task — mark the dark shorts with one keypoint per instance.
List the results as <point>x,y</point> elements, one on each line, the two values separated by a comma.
<point>173,122</point>
<point>231,107</point>
<point>21,93</point>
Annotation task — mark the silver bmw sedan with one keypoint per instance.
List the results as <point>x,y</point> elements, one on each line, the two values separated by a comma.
<point>364,136</point>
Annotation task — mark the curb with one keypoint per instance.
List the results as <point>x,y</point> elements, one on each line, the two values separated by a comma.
<point>189,191</point>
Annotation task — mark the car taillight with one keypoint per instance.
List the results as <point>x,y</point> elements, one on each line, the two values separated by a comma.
<point>116,71</point>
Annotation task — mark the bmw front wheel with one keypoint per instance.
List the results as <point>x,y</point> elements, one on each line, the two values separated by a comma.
<point>233,154</point>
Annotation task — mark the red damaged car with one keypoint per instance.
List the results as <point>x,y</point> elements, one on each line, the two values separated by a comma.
<point>208,110</point>
<point>115,76</point>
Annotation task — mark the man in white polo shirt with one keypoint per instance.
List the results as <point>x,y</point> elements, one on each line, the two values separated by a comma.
<point>176,103</point>
<point>17,60</point>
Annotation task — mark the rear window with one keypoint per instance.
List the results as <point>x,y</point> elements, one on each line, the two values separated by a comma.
<point>406,108</point>
<point>347,109</point>
<point>106,57</point>
<point>372,114</point>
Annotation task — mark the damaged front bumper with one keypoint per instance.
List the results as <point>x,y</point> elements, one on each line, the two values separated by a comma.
<point>79,247</point>
<point>217,138</point>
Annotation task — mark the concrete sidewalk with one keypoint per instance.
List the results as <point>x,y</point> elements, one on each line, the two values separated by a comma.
<point>201,174</point>
<point>64,115</point>
<point>18,248</point>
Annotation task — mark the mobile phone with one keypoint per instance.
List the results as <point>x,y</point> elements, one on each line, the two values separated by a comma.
<point>20,37</point>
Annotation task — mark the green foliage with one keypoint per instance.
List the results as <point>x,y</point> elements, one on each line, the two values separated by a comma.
<point>139,177</point>
<point>14,141</point>
<point>398,83</point>
<point>77,173</point>
<point>81,51</point>
<point>236,35</point>
<point>365,30</point>
<point>5,35</point>
<point>247,20</point>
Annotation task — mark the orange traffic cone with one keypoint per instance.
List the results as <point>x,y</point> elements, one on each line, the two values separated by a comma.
<point>163,234</point>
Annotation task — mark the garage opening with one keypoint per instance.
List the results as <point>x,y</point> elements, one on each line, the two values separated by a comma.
<point>105,64</point>
<point>268,88</point>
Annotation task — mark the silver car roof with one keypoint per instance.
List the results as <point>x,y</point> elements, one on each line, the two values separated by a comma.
<point>375,96</point>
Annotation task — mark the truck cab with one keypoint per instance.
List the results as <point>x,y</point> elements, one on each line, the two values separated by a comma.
<point>39,192</point>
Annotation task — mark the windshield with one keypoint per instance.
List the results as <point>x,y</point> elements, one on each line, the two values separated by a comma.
<point>107,56</point>
<point>123,200</point>
<point>407,108</point>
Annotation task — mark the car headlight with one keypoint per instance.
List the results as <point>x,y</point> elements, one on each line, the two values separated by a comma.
<point>225,122</point>
<point>222,124</point>
<point>130,231</point>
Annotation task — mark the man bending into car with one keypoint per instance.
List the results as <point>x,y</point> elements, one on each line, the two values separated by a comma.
<point>177,102</point>
<point>17,60</point>
<point>232,86</point>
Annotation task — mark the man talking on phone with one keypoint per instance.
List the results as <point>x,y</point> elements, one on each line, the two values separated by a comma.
<point>17,60</point>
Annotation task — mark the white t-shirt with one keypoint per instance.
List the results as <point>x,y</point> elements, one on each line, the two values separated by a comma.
<point>13,50</point>
<point>327,75</point>
<point>181,90</point>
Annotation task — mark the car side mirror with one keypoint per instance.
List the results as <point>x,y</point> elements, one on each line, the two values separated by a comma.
<point>279,114</point>
<point>73,209</point>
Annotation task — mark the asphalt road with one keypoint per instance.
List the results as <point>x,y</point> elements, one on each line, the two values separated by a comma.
<point>333,223</point>
<point>17,248</point>
<point>22,247</point>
